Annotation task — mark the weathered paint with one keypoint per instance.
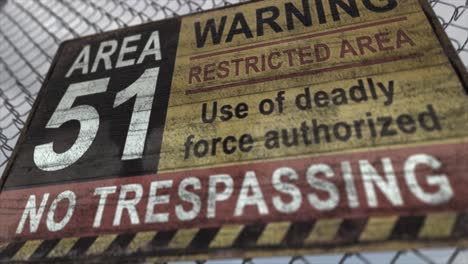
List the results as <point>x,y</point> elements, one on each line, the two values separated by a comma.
<point>159,177</point>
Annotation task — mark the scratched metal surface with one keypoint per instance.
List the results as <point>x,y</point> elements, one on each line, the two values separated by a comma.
<point>30,32</point>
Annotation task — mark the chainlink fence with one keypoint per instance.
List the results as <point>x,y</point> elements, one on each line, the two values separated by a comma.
<point>30,32</point>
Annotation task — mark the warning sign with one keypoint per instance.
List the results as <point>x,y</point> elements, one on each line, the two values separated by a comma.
<point>306,82</point>
<point>273,127</point>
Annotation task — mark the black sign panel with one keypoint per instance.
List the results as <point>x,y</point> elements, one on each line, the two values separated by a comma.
<point>91,118</point>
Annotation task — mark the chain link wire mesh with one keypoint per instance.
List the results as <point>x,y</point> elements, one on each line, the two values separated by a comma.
<point>30,32</point>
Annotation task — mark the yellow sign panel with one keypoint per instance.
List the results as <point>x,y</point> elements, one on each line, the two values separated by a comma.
<point>280,79</point>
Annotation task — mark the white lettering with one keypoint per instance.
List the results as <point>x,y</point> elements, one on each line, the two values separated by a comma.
<point>105,55</point>
<point>128,204</point>
<point>103,192</point>
<point>154,199</point>
<point>81,62</point>
<point>288,188</point>
<point>214,196</point>
<point>153,41</point>
<point>57,226</point>
<point>125,49</point>
<point>34,214</point>
<point>351,193</point>
<point>388,187</point>
<point>329,187</point>
<point>193,198</point>
<point>250,184</point>
<point>445,191</point>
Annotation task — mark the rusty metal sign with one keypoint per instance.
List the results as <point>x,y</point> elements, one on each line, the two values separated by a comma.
<point>273,127</point>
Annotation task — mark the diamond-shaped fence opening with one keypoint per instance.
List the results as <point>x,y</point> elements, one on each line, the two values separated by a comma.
<point>30,32</point>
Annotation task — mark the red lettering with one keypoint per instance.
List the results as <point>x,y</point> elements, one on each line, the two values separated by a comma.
<point>346,47</point>
<point>195,73</point>
<point>403,38</point>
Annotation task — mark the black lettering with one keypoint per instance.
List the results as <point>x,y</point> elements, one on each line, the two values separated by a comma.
<point>357,93</point>
<point>187,144</point>
<point>279,99</point>
<point>386,122</point>
<point>347,130</point>
<point>201,148</point>
<point>406,124</point>
<point>239,20</point>
<point>271,139</point>
<point>266,106</point>
<point>350,8</point>
<point>303,101</point>
<point>261,20</point>
<point>204,117</point>
<point>226,148</point>
<point>370,123</point>
<point>304,17</point>
<point>305,133</point>
<point>215,142</point>
<point>391,4</point>
<point>320,12</point>
<point>357,127</point>
<point>210,27</point>
<point>429,120</point>
<point>286,138</point>
<point>339,96</point>
<point>321,99</point>
<point>226,112</point>
<point>316,128</point>
<point>245,143</point>
<point>242,110</point>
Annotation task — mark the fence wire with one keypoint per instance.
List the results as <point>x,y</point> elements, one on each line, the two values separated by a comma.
<point>30,32</point>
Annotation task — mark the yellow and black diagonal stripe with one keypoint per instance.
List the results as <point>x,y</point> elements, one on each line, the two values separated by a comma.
<point>322,234</point>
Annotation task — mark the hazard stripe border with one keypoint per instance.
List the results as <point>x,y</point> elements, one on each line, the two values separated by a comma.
<point>321,235</point>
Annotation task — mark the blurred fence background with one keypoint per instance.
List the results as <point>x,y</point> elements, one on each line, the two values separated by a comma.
<point>30,32</point>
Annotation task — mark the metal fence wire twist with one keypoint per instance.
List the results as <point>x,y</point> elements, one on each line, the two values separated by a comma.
<point>30,32</point>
